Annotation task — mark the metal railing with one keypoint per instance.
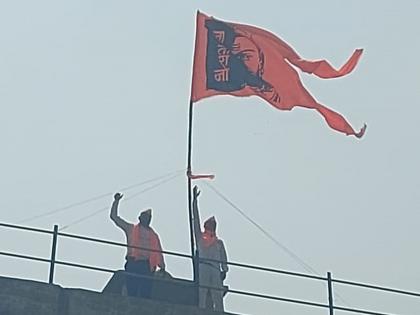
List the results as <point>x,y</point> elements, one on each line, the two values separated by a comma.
<point>328,279</point>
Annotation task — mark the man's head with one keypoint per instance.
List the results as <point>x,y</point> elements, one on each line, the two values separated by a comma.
<point>210,224</point>
<point>145,217</point>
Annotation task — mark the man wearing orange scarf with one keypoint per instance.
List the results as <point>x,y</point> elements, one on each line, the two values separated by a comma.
<point>144,251</point>
<point>212,259</point>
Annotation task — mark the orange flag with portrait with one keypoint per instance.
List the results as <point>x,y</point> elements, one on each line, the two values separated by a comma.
<point>243,60</point>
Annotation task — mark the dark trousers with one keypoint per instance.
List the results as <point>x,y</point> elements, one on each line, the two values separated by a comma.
<point>138,286</point>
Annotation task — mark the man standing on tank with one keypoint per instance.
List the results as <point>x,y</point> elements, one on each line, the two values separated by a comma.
<point>144,250</point>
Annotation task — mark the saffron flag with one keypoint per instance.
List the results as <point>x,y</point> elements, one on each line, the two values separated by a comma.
<point>243,60</point>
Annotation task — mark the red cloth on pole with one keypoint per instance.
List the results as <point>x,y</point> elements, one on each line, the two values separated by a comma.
<point>243,60</point>
<point>200,176</point>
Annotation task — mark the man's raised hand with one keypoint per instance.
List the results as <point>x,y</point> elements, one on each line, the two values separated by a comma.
<point>196,192</point>
<point>118,196</point>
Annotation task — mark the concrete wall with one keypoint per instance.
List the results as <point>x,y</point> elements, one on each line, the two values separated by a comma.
<point>25,297</point>
<point>28,297</point>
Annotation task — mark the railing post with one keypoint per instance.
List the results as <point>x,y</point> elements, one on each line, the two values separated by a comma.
<point>330,294</point>
<point>53,252</point>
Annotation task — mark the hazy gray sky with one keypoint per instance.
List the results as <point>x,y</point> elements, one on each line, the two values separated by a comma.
<point>94,97</point>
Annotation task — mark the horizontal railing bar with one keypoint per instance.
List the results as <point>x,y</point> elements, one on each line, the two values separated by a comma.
<point>92,239</point>
<point>70,264</point>
<point>258,295</point>
<point>26,228</point>
<point>25,257</point>
<point>252,294</point>
<point>242,265</point>
<point>370,286</point>
<point>254,267</point>
<point>271,297</point>
<point>248,266</point>
<point>94,268</point>
<point>359,311</point>
<point>290,273</point>
<point>106,270</point>
<point>189,256</point>
<point>97,240</point>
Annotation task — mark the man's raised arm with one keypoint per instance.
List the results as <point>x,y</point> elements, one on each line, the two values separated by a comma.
<point>196,215</point>
<point>114,213</point>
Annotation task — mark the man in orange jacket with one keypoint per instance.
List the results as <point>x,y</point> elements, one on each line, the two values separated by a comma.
<point>144,250</point>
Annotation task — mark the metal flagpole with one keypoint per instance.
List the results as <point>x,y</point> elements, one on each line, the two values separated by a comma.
<point>194,260</point>
<point>194,250</point>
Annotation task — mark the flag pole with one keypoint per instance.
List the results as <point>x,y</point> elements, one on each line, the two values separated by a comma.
<point>194,247</point>
<point>189,158</point>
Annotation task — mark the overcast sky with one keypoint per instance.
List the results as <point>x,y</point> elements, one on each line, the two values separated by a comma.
<point>94,97</point>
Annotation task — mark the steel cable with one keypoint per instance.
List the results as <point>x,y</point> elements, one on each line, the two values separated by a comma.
<point>80,203</point>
